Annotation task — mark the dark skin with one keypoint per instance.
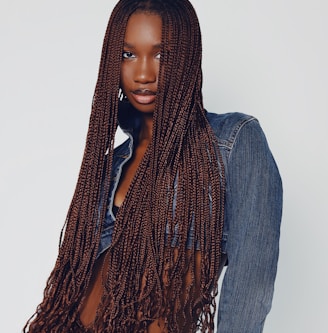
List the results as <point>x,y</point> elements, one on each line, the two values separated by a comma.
<point>139,81</point>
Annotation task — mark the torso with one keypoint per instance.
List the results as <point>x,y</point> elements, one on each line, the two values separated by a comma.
<point>95,290</point>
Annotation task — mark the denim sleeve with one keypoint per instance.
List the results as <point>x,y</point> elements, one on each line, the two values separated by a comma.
<point>253,215</point>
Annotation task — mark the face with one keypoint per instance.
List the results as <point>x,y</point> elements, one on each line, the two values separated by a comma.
<point>141,59</point>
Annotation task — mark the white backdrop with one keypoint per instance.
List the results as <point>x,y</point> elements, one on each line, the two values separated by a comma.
<point>266,58</point>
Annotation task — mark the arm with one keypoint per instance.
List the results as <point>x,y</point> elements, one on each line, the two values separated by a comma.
<point>253,214</point>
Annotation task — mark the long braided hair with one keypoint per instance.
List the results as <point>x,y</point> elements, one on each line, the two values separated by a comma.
<point>181,168</point>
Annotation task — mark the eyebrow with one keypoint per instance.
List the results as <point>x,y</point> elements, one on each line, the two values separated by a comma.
<point>156,46</point>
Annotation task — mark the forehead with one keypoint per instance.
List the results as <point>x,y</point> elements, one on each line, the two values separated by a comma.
<point>143,27</point>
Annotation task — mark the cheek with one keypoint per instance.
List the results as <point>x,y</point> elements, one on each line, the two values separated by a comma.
<point>127,82</point>
<point>124,79</point>
<point>161,74</point>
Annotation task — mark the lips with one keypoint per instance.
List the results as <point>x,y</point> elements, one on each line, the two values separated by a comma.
<point>144,96</point>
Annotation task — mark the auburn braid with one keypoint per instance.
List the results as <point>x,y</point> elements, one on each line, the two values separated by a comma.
<point>145,279</point>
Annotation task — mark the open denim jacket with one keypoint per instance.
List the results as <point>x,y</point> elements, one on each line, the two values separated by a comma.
<point>253,208</point>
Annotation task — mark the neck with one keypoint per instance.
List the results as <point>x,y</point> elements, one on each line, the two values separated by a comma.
<point>146,130</point>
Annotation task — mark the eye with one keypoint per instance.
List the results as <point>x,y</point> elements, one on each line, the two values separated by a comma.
<point>127,55</point>
<point>158,56</point>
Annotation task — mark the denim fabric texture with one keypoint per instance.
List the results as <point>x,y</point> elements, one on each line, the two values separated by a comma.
<point>253,208</point>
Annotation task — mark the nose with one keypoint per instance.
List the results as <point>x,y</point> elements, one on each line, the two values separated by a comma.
<point>146,71</point>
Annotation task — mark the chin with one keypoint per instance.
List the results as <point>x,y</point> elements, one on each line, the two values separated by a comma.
<point>144,109</point>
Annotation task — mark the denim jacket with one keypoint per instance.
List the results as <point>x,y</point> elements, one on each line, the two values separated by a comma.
<point>253,207</point>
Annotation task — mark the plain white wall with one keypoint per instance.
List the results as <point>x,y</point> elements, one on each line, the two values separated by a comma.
<point>266,58</point>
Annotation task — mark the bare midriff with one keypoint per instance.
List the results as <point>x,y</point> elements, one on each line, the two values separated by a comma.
<point>95,290</point>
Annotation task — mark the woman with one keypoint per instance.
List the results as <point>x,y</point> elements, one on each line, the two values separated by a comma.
<point>152,223</point>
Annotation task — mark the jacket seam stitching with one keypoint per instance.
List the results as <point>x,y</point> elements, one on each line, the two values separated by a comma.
<point>237,131</point>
